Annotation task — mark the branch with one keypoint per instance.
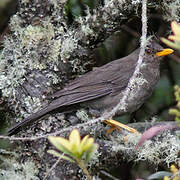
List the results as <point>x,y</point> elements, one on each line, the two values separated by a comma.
<point>122,104</point>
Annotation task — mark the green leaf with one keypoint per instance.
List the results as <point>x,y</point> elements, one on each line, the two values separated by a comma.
<point>57,142</point>
<point>170,43</point>
<point>175,28</point>
<point>55,153</point>
<point>90,153</point>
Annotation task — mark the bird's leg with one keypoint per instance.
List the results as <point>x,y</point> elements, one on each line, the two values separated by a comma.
<point>117,125</point>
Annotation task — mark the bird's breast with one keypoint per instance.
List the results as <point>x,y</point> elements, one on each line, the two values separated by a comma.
<point>142,88</point>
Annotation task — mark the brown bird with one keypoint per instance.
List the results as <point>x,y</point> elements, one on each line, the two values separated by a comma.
<point>102,88</point>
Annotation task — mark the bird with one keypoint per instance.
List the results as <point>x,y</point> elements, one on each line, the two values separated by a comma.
<point>102,88</point>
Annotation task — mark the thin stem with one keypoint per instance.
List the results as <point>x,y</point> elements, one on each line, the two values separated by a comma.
<point>83,167</point>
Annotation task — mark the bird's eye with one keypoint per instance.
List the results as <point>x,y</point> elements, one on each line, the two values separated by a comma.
<point>148,51</point>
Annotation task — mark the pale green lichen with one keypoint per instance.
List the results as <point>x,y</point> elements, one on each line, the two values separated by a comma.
<point>25,1</point>
<point>11,74</point>
<point>11,169</point>
<point>77,65</point>
<point>22,52</point>
<point>82,115</point>
<point>163,148</point>
<point>86,30</point>
<point>172,9</point>
<point>53,77</point>
<point>32,102</point>
<point>68,46</point>
<point>136,1</point>
<point>35,34</point>
<point>55,50</point>
<point>15,24</point>
<point>138,82</point>
<point>56,3</point>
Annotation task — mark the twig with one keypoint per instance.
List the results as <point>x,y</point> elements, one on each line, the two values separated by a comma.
<point>53,167</point>
<point>78,126</point>
<point>122,104</point>
<point>108,175</point>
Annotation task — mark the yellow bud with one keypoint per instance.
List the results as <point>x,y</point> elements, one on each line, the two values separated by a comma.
<point>173,169</point>
<point>166,178</point>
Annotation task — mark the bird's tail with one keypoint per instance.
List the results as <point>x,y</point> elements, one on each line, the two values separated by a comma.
<point>27,121</point>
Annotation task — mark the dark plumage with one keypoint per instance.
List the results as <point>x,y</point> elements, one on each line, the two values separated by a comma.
<point>102,88</point>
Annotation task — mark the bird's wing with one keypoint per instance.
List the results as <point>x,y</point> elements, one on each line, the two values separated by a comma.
<point>108,79</point>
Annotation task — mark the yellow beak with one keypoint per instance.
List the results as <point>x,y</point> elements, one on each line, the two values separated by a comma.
<point>164,52</point>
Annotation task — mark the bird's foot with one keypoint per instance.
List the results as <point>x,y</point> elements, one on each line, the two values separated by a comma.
<point>115,125</point>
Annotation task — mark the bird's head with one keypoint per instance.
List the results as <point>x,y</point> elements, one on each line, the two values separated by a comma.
<point>155,50</point>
